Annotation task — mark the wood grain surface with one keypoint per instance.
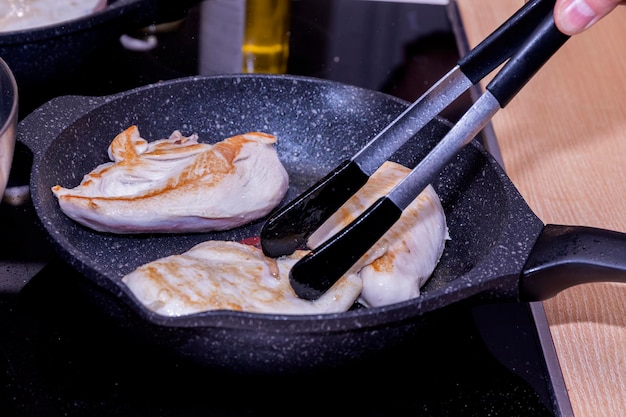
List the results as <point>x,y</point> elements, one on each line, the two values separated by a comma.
<point>563,143</point>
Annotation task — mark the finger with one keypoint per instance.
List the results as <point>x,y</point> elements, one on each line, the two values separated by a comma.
<point>575,16</point>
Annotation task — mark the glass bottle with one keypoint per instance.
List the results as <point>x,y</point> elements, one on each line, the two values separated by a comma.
<point>266,36</point>
<point>249,36</point>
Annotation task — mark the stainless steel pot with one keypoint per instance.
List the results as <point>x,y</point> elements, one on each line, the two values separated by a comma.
<point>8,121</point>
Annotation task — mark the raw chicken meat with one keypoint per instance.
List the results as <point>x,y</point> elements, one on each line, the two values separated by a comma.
<point>178,185</point>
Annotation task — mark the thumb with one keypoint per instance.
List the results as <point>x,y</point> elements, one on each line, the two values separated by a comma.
<point>575,16</point>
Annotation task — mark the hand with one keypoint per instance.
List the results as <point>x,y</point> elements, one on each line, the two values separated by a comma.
<point>575,16</point>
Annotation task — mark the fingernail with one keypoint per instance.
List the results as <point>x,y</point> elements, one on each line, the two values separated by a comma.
<point>576,16</point>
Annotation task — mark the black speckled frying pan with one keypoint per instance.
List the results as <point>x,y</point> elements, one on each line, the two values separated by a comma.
<point>499,249</point>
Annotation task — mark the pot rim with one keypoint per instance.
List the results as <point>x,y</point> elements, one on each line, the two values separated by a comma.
<point>5,70</point>
<point>9,124</point>
<point>86,22</point>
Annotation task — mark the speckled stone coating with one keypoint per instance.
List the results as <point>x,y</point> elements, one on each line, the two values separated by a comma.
<point>318,123</point>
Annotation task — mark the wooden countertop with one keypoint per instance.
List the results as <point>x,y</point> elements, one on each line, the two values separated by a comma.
<point>563,143</point>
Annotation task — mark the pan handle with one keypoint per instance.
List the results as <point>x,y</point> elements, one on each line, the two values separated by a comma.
<point>564,256</point>
<point>57,117</point>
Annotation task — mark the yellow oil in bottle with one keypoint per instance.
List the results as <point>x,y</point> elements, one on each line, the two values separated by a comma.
<point>265,47</point>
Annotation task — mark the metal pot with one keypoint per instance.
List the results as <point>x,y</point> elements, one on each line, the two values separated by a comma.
<point>499,249</point>
<point>8,121</point>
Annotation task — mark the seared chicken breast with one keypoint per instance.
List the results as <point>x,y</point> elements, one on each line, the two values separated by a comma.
<point>234,276</point>
<point>178,184</point>
<point>397,266</point>
<point>231,275</point>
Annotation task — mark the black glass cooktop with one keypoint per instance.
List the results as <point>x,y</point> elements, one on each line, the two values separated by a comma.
<point>61,356</point>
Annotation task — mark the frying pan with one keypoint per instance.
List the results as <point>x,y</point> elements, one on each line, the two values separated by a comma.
<point>499,249</point>
<point>48,55</point>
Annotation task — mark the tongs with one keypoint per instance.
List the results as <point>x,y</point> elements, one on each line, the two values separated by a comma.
<point>525,41</point>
